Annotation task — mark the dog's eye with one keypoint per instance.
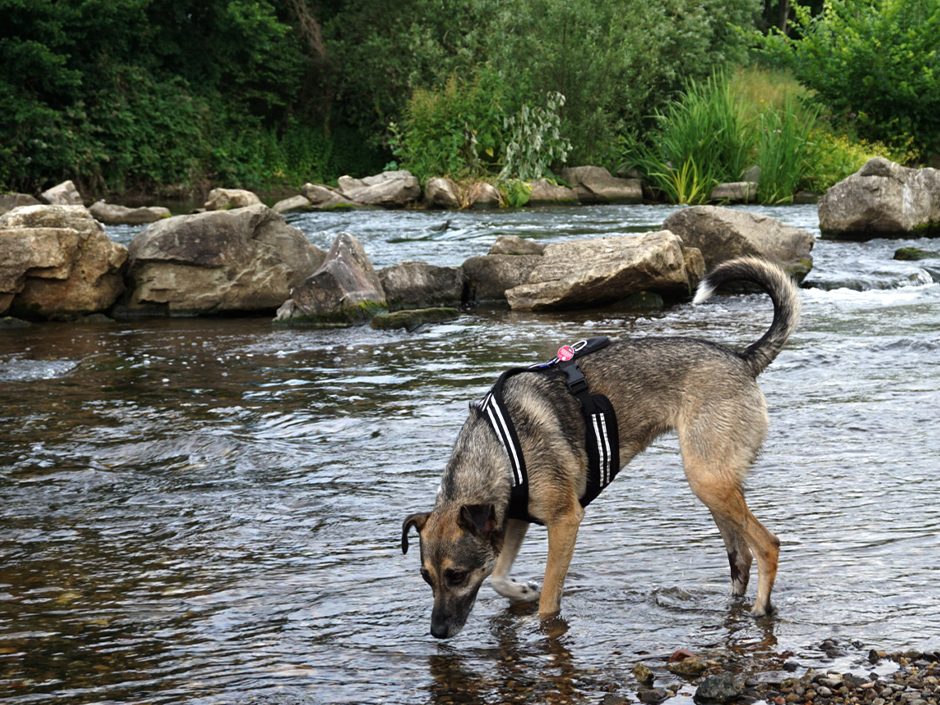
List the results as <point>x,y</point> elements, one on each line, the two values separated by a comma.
<point>456,577</point>
<point>427,576</point>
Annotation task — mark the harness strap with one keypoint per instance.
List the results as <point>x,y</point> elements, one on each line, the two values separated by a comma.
<point>601,435</point>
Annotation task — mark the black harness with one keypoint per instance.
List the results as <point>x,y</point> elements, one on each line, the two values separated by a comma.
<point>601,438</point>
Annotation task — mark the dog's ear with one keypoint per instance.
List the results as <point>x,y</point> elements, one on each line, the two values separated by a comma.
<point>478,519</point>
<point>416,520</point>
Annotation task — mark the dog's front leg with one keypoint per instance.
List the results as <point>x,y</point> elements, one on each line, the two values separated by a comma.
<point>562,535</point>
<point>500,580</point>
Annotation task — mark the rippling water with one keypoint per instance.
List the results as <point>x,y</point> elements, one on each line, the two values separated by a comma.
<point>210,510</point>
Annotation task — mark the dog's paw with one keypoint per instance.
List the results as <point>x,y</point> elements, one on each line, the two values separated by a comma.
<point>517,592</point>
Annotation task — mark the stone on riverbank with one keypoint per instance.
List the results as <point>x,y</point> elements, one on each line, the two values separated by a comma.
<point>294,203</point>
<point>882,199</point>
<point>419,285</point>
<point>390,189</point>
<point>64,194</point>
<point>244,260</point>
<point>344,291</point>
<point>111,214</point>
<point>57,263</point>
<point>222,199</point>
<point>594,184</point>
<point>545,193</point>
<point>324,198</point>
<point>601,271</point>
<point>722,234</point>
<point>412,319</point>
<point>735,192</point>
<point>441,192</point>
<point>9,201</point>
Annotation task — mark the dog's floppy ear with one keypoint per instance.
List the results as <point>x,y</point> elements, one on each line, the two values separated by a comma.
<point>478,519</point>
<point>417,520</point>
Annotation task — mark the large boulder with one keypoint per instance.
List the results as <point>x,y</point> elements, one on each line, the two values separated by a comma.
<point>344,291</point>
<point>723,234</point>
<point>221,199</point>
<point>490,276</point>
<point>882,199</point>
<point>9,201</point>
<point>580,273</point>
<point>56,262</point>
<point>390,189</point>
<point>594,184</point>
<point>64,194</point>
<point>111,214</point>
<point>419,285</point>
<point>324,198</point>
<point>218,262</point>
<point>294,203</point>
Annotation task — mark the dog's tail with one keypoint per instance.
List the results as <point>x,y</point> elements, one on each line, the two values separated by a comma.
<point>782,291</point>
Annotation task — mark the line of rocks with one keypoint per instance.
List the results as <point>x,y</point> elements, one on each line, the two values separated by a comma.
<point>719,681</point>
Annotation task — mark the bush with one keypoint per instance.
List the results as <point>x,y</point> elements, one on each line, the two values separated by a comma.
<point>874,63</point>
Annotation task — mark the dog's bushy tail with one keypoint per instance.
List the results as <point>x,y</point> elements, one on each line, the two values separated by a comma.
<point>782,291</point>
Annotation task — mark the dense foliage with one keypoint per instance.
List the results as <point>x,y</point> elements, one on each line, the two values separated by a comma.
<point>874,63</point>
<point>121,94</point>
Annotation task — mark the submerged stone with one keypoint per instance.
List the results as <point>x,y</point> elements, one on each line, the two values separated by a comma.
<point>413,319</point>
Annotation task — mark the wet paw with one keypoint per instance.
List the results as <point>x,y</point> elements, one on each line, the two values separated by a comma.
<point>516,592</point>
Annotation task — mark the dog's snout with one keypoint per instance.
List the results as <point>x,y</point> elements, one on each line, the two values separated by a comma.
<point>439,631</point>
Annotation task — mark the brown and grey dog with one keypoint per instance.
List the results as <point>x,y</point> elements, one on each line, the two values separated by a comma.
<point>705,392</point>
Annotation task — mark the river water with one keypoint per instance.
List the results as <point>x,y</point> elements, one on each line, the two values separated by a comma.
<point>209,511</point>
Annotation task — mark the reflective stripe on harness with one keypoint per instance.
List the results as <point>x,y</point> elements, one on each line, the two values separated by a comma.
<point>600,421</point>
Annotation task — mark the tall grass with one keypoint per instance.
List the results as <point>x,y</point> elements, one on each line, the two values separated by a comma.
<point>701,140</point>
<point>785,149</point>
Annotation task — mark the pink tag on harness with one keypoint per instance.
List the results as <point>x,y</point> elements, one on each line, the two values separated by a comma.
<point>565,353</point>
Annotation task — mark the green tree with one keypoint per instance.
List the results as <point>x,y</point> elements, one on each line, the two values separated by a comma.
<point>874,63</point>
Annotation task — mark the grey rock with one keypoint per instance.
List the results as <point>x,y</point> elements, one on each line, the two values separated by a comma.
<point>721,688</point>
<point>64,194</point>
<point>545,193</point>
<point>582,273</point>
<point>594,184</point>
<point>56,262</point>
<point>294,203</point>
<point>218,262</point>
<point>9,201</point>
<point>344,291</point>
<point>111,214</point>
<point>390,189</point>
<point>735,192</point>
<point>417,285</point>
<point>721,234</point>
<point>490,276</point>
<point>515,245</point>
<point>412,318</point>
<point>221,199</point>
<point>442,192</point>
<point>482,195</point>
<point>324,198</point>
<point>882,199</point>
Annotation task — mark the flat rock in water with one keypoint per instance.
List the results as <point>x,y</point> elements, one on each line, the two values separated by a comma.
<point>413,318</point>
<point>721,688</point>
<point>581,273</point>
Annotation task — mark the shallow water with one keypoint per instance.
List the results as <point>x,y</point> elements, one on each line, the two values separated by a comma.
<point>209,511</point>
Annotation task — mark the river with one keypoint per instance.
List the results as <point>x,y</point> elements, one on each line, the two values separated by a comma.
<point>209,510</point>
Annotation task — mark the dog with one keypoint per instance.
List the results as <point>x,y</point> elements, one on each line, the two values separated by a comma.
<point>705,392</point>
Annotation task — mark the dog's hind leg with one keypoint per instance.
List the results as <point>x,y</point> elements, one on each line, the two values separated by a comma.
<point>500,580</point>
<point>735,520</point>
<point>739,555</point>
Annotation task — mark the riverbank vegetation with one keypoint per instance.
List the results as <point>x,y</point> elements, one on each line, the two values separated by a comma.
<point>168,97</point>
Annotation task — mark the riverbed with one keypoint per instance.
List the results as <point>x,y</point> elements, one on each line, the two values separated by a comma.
<point>209,510</point>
